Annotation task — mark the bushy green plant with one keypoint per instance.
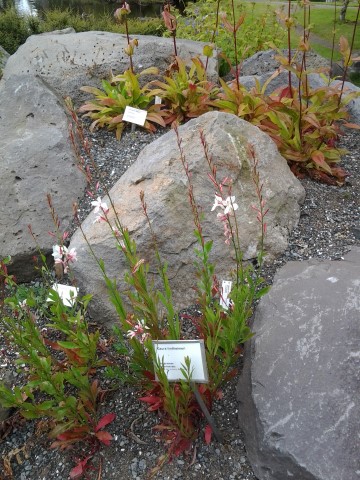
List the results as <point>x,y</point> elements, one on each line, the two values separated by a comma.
<point>186,93</point>
<point>152,316</point>
<point>59,359</point>
<point>201,20</point>
<point>109,105</point>
<point>15,29</point>
<point>304,128</point>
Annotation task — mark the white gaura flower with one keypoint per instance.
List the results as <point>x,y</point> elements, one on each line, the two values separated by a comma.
<point>99,205</point>
<point>71,255</point>
<point>230,205</point>
<point>218,202</point>
<point>58,252</point>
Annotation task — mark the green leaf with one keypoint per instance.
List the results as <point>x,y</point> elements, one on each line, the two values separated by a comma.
<point>69,345</point>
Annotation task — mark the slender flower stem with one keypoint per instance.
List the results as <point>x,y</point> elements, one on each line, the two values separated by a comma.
<point>235,236</point>
<point>237,72</point>
<point>214,31</point>
<point>289,46</point>
<point>333,41</point>
<point>351,49</point>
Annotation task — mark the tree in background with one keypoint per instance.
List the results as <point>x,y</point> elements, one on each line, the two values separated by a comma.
<point>343,10</point>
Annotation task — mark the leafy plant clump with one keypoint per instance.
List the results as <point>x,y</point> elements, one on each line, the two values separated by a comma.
<point>60,361</point>
<point>186,93</point>
<point>15,29</point>
<point>108,107</point>
<point>152,316</point>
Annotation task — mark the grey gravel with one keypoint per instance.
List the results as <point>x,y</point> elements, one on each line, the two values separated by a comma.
<point>329,225</point>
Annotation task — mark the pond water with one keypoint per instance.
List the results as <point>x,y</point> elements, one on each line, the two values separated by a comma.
<point>96,7</point>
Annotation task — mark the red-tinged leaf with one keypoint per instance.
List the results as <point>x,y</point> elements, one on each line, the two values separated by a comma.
<point>169,19</point>
<point>226,24</point>
<point>53,345</point>
<point>77,432</point>
<point>239,22</point>
<point>150,399</point>
<point>219,394</point>
<point>285,92</point>
<point>104,437</point>
<point>105,420</point>
<point>208,433</point>
<point>231,374</point>
<point>148,374</point>
<point>155,407</point>
<point>351,125</point>
<point>108,102</point>
<point>95,388</point>
<point>79,469</point>
<point>182,446</point>
<point>318,158</point>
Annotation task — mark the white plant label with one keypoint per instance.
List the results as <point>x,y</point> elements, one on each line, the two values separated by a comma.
<point>172,354</point>
<point>157,100</point>
<point>67,294</point>
<point>135,115</point>
<point>225,292</point>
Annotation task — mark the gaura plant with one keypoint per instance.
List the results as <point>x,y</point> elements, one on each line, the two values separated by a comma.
<point>186,93</point>
<point>108,106</point>
<point>151,314</point>
<point>60,358</point>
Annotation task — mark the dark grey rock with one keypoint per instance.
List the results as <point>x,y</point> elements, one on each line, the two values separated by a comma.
<point>299,391</point>
<point>266,62</point>
<point>158,172</point>
<point>353,106</point>
<point>36,158</point>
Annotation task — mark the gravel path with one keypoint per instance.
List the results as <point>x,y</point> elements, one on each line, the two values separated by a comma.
<point>328,226</point>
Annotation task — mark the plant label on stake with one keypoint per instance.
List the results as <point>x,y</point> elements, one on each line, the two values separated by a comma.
<point>225,292</point>
<point>135,115</point>
<point>172,353</point>
<point>67,294</point>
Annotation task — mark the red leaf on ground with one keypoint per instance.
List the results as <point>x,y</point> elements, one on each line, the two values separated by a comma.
<point>79,469</point>
<point>150,399</point>
<point>104,437</point>
<point>105,420</point>
<point>208,433</point>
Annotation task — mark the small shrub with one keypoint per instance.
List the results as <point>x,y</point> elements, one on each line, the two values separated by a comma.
<point>109,105</point>
<point>15,29</point>
<point>186,92</point>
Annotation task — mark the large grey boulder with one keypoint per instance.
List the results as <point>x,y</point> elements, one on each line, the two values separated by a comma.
<point>36,158</point>
<point>299,390</point>
<point>158,172</point>
<point>266,61</point>
<point>67,61</point>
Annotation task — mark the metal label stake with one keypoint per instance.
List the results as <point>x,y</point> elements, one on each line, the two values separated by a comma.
<point>218,435</point>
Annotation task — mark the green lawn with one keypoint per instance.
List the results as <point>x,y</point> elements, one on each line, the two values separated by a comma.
<point>322,19</point>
